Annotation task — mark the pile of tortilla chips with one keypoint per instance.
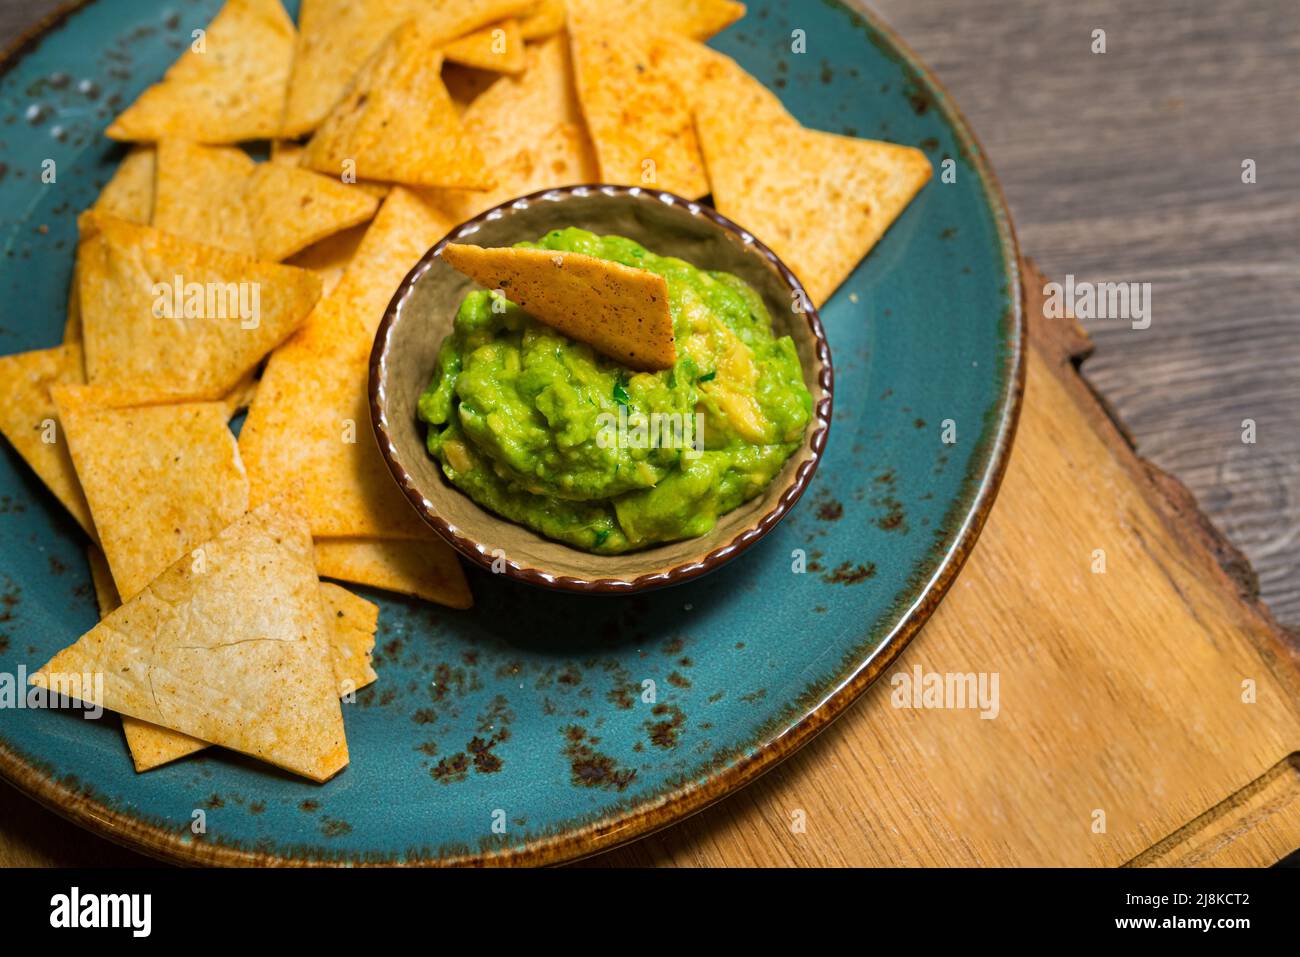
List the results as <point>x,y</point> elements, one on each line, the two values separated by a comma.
<point>207,282</point>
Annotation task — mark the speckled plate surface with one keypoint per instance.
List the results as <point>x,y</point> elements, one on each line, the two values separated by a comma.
<point>518,731</point>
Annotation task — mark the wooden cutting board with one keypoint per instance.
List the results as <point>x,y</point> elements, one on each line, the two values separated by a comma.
<point>1149,713</point>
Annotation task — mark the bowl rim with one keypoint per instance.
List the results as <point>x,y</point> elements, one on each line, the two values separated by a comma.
<point>480,554</point>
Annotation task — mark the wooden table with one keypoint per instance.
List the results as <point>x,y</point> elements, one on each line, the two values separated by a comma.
<point>1122,166</point>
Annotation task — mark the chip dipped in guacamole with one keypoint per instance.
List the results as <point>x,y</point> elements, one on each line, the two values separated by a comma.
<point>547,432</point>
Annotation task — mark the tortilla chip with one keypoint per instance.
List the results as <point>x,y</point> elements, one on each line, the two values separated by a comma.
<point>73,336</point>
<point>350,620</point>
<point>397,122</point>
<point>351,623</point>
<point>177,357</point>
<point>465,85</point>
<point>637,114</point>
<point>819,200</point>
<point>515,125</point>
<point>337,37</point>
<point>241,396</point>
<point>129,194</point>
<point>149,744</point>
<point>428,569</point>
<point>697,19</point>
<point>28,417</point>
<point>229,648</point>
<point>286,152</point>
<point>498,47</point>
<point>200,195</point>
<point>330,257</point>
<point>560,157</point>
<point>234,90</point>
<point>619,311</point>
<point>106,597</point>
<point>160,479</point>
<point>291,208</point>
<point>546,20</point>
<point>309,427</point>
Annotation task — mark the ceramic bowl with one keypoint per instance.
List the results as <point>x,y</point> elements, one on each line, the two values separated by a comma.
<point>421,314</point>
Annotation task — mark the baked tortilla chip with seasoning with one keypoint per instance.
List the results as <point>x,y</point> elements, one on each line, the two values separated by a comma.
<point>498,48</point>
<point>820,200</point>
<point>309,427</point>
<point>227,646</point>
<point>330,257</point>
<point>229,86</point>
<point>337,37</point>
<point>697,19</point>
<point>129,194</point>
<point>29,419</point>
<point>619,311</point>
<point>531,131</point>
<point>545,20</point>
<point>160,479</point>
<point>637,113</point>
<point>351,622</point>
<point>421,569</point>
<point>291,208</point>
<point>199,195</point>
<point>397,122</point>
<point>189,340</point>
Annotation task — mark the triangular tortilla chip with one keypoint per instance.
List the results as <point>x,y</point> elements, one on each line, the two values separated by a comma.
<point>545,20</point>
<point>129,194</point>
<point>426,569</point>
<point>698,19</point>
<point>228,647</point>
<point>30,421</point>
<point>337,37</point>
<point>638,114</point>
<point>619,311</point>
<point>560,157</point>
<point>128,270</point>
<point>199,195</point>
<point>160,479</point>
<point>819,200</point>
<point>233,90</point>
<point>397,122</point>
<point>531,131</point>
<point>350,622</point>
<point>309,426</point>
<point>292,207</point>
<point>330,257</point>
<point>498,47</point>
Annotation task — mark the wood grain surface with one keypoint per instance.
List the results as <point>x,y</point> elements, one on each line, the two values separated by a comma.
<point>1121,693</point>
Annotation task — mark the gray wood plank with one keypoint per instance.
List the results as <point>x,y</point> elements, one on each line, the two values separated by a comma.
<point>1125,166</point>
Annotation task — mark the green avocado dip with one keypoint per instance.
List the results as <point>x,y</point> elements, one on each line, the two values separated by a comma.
<point>543,430</point>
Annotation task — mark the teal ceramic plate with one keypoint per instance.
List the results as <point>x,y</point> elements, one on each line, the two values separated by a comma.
<point>520,731</point>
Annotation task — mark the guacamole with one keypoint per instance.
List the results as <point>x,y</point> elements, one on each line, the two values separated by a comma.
<point>545,431</point>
